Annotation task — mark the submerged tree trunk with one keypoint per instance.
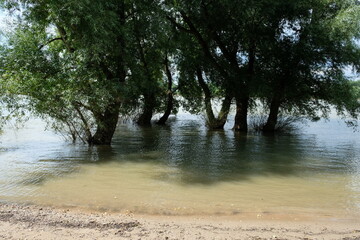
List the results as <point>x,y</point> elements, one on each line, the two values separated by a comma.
<point>207,100</point>
<point>169,108</point>
<point>242,105</point>
<point>275,104</point>
<point>273,115</point>
<point>221,119</point>
<point>148,110</point>
<point>170,95</point>
<point>106,125</point>
<point>242,102</point>
<point>225,109</point>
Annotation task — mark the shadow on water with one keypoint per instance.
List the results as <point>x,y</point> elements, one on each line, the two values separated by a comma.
<point>199,156</point>
<point>209,157</point>
<point>66,161</point>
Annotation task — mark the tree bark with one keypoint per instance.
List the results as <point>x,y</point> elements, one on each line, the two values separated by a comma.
<point>169,108</point>
<point>106,125</point>
<point>148,110</point>
<point>275,104</point>
<point>170,95</point>
<point>224,112</point>
<point>219,122</point>
<point>214,123</point>
<point>242,105</point>
<point>273,115</point>
<point>207,99</point>
<point>242,102</point>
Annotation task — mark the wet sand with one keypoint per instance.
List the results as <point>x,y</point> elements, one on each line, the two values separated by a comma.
<point>36,222</point>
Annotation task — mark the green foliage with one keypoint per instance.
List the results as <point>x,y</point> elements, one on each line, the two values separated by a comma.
<point>81,63</point>
<point>73,59</point>
<point>355,85</point>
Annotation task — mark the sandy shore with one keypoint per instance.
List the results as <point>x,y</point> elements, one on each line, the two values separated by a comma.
<point>35,222</point>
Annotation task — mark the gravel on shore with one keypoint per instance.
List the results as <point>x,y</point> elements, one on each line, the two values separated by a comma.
<point>36,222</point>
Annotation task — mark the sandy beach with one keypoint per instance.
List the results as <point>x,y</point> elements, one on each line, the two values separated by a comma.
<point>36,222</point>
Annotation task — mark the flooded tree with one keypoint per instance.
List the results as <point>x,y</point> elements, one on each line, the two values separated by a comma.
<point>84,64</point>
<point>152,77</point>
<point>303,67</point>
<point>70,64</point>
<point>81,63</point>
<point>290,53</point>
<point>221,31</point>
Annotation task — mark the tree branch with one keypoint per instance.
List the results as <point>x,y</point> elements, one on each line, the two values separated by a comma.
<point>231,57</point>
<point>64,37</point>
<point>179,26</point>
<point>50,41</point>
<point>85,122</point>
<point>202,43</point>
<point>77,103</point>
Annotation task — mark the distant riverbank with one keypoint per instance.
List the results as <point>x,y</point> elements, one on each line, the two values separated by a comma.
<point>37,222</point>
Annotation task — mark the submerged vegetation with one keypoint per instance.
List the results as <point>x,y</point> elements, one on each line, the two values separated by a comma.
<point>83,64</point>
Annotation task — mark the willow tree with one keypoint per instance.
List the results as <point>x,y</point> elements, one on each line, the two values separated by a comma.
<point>200,85</point>
<point>228,34</point>
<point>289,52</point>
<point>151,69</point>
<point>302,67</point>
<point>74,61</point>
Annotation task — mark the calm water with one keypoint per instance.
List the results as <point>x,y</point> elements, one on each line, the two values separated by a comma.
<point>184,169</point>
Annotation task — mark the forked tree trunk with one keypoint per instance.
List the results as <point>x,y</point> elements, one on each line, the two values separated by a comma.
<point>106,125</point>
<point>219,122</point>
<point>224,112</point>
<point>214,123</point>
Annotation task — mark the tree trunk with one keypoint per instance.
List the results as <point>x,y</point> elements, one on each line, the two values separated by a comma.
<point>170,95</point>
<point>106,125</point>
<point>148,110</point>
<point>276,101</point>
<point>169,107</point>
<point>242,105</point>
<point>273,115</point>
<point>224,112</point>
<point>207,100</point>
<point>214,123</point>
<point>107,120</point>
<point>218,122</point>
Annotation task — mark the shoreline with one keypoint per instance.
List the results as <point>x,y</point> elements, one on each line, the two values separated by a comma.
<point>19,221</point>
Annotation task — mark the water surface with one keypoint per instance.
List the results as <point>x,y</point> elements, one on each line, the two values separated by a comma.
<point>184,169</point>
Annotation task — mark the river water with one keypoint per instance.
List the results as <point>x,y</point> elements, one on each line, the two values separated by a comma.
<point>183,169</point>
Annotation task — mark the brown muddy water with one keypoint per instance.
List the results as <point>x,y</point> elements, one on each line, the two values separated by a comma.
<point>183,169</point>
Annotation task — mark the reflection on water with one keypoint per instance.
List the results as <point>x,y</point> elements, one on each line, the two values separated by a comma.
<point>185,169</point>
